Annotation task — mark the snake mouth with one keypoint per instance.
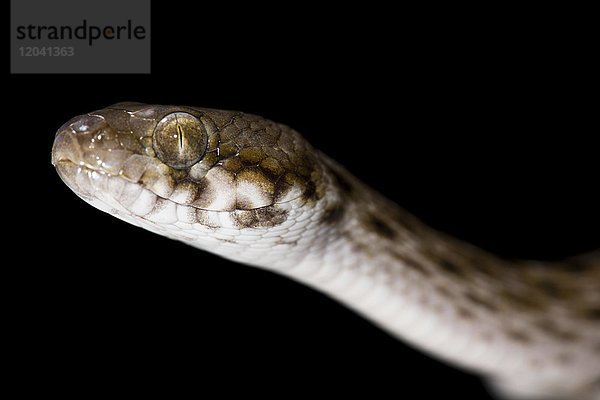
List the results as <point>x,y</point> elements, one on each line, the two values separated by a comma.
<point>68,171</point>
<point>80,178</point>
<point>66,158</point>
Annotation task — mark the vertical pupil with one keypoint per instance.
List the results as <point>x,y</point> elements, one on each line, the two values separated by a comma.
<point>180,140</point>
<point>180,136</point>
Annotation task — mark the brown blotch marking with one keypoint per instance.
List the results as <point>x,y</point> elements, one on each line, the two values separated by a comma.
<point>333,213</point>
<point>444,292</point>
<point>478,301</point>
<point>523,301</point>
<point>463,313</point>
<point>414,266</point>
<point>284,184</point>
<point>344,184</point>
<point>290,180</point>
<point>406,220</point>
<point>591,314</point>
<point>286,242</point>
<point>451,268</point>
<point>258,178</point>
<point>317,179</point>
<point>189,188</point>
<point>265,217</point>
<point>310,192</point>
<point>485,269</point>
<point>358,247</point>
<point>555,289</point>
<point>518,336</point>
<point>202,218</point>
<point>549,327</point>
<point>204,194</point>
<point>313,190</point>
<point>380,227</point>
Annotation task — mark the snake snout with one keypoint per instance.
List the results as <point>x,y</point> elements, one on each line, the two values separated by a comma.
<point>72,135</point>
<point>65,148</point>
<point>86,149</point>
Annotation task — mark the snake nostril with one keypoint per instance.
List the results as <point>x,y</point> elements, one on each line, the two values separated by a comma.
<point>83,124</point>
<point>88,123</point>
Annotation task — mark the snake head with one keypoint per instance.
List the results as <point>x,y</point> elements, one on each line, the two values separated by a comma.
<point>169,164</point>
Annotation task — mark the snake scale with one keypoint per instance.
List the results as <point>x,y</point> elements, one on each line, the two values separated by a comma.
<point>254,191</point>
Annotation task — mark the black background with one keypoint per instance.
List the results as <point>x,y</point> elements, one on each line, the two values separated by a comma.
<point>483,128</point>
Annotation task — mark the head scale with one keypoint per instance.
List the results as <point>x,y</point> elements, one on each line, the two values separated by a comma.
<point>171,164</point>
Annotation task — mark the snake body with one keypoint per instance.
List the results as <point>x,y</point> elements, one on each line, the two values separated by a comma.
<point>254,191</point>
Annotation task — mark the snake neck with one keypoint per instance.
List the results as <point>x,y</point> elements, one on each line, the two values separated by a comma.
<point>444,296</point>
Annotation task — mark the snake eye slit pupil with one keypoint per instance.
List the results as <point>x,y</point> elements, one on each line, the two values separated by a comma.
<point>180,136</point>
<point>180,140</point>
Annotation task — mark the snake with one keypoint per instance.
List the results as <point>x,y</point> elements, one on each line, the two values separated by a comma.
<point>256,192</point>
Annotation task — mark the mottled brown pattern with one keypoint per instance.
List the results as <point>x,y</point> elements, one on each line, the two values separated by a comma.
<point>444,292</point>
<point>342,182</point>
<point>556,289</point>
<point>481,302</point>
<point>451,268</point>
<point>591,314</point>
<point>413,265</point>
<point>333,213</point>
<point>550,327</point>
<point>523,301</point>
<point>518,336</point>
<point>259,218</point>
<point>251,161</point>
<point>464,313</point>
<point>310,192</point>
<point>378,226</point>
<point>200,216</point>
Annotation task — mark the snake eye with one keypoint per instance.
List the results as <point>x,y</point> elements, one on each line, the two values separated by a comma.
<point>180,140</point>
